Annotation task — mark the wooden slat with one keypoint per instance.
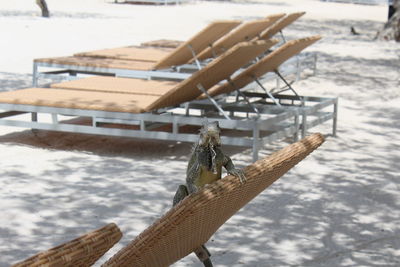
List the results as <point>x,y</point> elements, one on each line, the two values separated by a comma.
<point>118,85</point>
<point>280,24</point>
<point>247,31</point>
<point>219,69</point>
<point>269,63</point>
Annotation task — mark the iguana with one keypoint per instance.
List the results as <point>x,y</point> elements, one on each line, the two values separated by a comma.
<point>204,167</point>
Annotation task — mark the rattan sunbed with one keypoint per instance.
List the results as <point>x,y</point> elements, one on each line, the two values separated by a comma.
<point>246,31</point>
<point>83,251</point>
<point>165,58</point>
<point>194,220</point>
<point>280,25</point>
<point>308,106</point>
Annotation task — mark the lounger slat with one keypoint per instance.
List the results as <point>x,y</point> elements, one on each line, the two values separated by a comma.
<point>194,220</point>
<point>129,53</point>
<point>74,99</point>
<point>119,85</point>
<point>219,69</point>
<point>198,43</point>
<point>245,32</point>
<point>83,251</point>
<point>98,62</point>
<point>163,43</point>
<point>280,24</point>
<point>269,63</point>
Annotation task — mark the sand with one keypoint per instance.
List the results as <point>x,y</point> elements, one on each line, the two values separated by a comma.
<point>339,207</point>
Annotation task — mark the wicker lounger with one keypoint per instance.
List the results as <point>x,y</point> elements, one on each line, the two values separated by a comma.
<point>165,58</point>
<point>250,30</point>
<point>194,220</point>
<point>269,63</point>
<point>172,93</point>
<point>83,251</point>
<point>281,24</point>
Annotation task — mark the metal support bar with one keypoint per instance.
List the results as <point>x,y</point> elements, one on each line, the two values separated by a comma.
<point>194,56</point>
<point>266,91</point>
<point>35,75</point>
<point>246,99</point>
<point>283,37</point>
<point>335,115</point>
<point>201,88</point>
<point>256,137</point>
<point>287,83</point>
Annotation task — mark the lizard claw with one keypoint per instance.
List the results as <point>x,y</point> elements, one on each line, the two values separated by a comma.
<point>239,174</point>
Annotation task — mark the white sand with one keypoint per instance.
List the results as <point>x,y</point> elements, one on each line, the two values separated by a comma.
<point>340,207</point>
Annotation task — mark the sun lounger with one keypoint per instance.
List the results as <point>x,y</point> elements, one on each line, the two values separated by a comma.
<point>281,24</point>
<point>165,58</point>
<point>269,63</point>
<point>308,106</point>
<point>246,31</point>
<point>83,251</point>
<point>193,221</point>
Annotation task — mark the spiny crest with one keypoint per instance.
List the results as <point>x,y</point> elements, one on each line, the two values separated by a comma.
<point>210,128</point>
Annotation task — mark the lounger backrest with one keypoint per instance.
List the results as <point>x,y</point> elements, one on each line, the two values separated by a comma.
<point>195,219</point>
<point>247,31</point>
<point>271,62</point>
<point>280,24</point>
<point>182,54</point>
<point>217,70</point>
<point>83,251</point>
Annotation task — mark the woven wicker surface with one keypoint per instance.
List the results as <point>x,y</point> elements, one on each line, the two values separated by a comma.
<point>151,54</point>
<point>83,251</point>
<point>279,25</point>
<point>216,71</point>
<point>98,62</point>
<point>198,43</point>
<point>119,85</point>
<point>163,43</point>
<point>193,221</point>
<point>245,32</point>
<point>269,63</point>
<point>75,99</point>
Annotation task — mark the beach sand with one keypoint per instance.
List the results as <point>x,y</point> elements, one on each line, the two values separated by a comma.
<point>339,207</point>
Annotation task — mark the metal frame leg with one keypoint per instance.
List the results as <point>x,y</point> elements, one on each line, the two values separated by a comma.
<point>256,143</point>
<point>35,75</point>
<point>335,115</point>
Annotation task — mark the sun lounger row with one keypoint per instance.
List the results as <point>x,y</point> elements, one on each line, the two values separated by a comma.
<point>107,101</point>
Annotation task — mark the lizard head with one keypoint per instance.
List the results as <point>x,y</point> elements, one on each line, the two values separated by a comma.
<point>210,134</point>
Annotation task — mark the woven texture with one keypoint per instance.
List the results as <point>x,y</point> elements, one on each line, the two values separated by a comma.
<point>151,54</point>
<point>163,43</point>
<point>271,62</point>
<point>119,85</point>
<point>74,99</point>
<point>83,251</point>
<point>194,220</point>
<point>198,43</point>
<point>244,32</point>
<point>279,25</point>
<point>93,62</point>
<point>219,69</point>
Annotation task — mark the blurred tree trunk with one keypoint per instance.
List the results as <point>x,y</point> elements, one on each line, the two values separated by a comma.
<point>391,30</point>
<point>43,6</point>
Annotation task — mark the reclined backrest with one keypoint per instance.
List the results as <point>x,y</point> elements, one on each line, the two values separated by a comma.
<point>195,219</point>
<point>219,69</point>
<point>247,31</point>
<point>280,24</point>
<point>83,251</point>
<point>183,54</point>
<point>271,62</point>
